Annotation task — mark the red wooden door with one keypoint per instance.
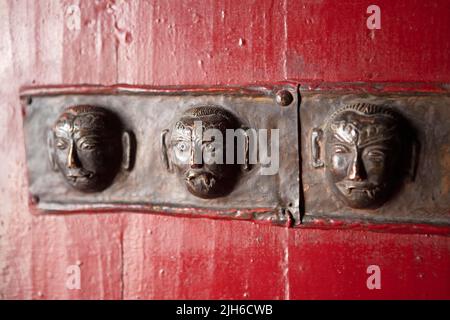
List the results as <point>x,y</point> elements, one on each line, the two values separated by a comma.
<point>144,256</point>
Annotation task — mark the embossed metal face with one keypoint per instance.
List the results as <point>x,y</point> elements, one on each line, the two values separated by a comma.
<point>87,147</point>
<point>363,154</point>
<point>195,155</point>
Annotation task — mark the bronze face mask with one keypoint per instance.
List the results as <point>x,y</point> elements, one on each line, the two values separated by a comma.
<point>364,152</point>
<point>87,145</point>
<point>188,146</point>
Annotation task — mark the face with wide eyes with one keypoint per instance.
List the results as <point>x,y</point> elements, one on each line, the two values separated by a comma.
<point>88,158</point>
<point>194,157</point>
<point>359,169</point>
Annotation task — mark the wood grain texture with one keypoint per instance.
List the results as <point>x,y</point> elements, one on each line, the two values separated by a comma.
<point>138,256</point>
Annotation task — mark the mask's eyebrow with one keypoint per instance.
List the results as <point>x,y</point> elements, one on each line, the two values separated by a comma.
<point>211,139</point>
<point>335,139</point>
<point>91,134</point>
<point>380,141</point>
<point>95,138</point>
<point>181,136</point>
<point>342,145</point>
<point>61,133</point>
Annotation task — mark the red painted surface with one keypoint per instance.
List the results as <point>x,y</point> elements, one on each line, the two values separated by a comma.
<point>131,255</point>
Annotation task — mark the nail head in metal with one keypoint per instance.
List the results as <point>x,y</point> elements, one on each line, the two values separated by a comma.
<point>35,199</point>
<point>284,98</point>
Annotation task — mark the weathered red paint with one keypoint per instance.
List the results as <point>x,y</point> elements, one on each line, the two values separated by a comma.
<point>181,43</point>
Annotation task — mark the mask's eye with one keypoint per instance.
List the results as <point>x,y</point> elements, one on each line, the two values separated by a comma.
<point>182,146</point>
<point>340,149</point>
<point>181,151</point>
<point>61,144</point>
<point>210,147</point>
<point>376,155</point>
<point>88,145</point>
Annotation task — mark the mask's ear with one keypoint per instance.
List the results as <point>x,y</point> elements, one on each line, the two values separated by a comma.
<point>128,147</point>
<point>316,136</point>
<point>164,152</point>
<point>51,150</point>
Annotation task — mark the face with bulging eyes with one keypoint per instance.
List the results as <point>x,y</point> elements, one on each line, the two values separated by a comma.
<point>361,158</point>
<point>199,159</point>
<point>87,148</point>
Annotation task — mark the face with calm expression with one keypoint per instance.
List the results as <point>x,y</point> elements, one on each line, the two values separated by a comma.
<point>87,147</point>
<point>195,155</point>
<point>362,156</point>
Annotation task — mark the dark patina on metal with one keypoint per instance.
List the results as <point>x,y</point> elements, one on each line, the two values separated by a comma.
<point>88,146</point>
<point>367,148</point>
<point>204,179</point>
<point>159,119</point>
<point>378,159</point>
<point>375,157</point>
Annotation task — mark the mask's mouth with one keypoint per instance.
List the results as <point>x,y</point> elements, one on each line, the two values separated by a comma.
<point>79,175</point>
<point>352,188</point>
<point>200,180</point>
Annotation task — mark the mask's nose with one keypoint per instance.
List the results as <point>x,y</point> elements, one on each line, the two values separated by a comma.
<point>196,158</point>
<point>72,157</point>
<point>356,170</point>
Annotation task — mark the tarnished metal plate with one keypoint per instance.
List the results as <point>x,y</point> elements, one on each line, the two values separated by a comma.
<point>148,186</point>
<point>422,197</point>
